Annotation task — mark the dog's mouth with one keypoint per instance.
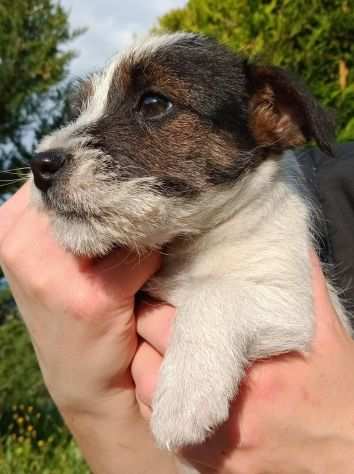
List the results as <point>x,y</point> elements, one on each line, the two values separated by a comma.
<point>76,215</point>
<point>81,232</point>
<point>91,221</point>
<point>63,209</point>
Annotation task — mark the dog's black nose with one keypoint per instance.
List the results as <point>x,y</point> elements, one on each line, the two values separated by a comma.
<point>45,167</point>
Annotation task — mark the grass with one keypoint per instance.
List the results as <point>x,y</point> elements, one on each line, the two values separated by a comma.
<point>33,438</point>
<point>22,456</point>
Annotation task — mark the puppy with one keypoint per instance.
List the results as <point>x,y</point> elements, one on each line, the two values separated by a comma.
<point>180,145</point>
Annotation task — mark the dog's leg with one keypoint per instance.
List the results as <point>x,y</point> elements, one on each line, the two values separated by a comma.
<point>217,331</point>
<point>201,370</point>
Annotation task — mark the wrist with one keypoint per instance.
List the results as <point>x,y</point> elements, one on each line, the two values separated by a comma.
<point>119,400</point>
<point>120,408</point>
<point>118,439</point>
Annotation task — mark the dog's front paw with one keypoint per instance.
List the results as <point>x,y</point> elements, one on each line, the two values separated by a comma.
<point>187,415</point>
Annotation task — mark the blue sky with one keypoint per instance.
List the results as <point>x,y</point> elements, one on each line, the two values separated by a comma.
<point>111,26</point>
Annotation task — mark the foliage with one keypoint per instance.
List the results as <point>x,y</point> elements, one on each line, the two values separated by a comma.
<point>313,39</point>
<point>7,305</point>
<point>19,373</point>
<point>32,64</point>
<point>19,456</point>
<point>33,101</point>
<point>32,435</point>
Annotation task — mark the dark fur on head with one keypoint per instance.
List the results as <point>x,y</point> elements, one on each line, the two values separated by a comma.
<point>227,115</point>
<point>284,113</point>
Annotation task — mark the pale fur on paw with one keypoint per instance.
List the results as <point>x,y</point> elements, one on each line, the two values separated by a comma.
<point>185,417</point>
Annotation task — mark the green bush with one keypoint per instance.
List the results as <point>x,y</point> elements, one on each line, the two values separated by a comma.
<point>19,373</point>
<point>7,304</point>
<point>32,434</point>
<point>21,457</point>
<point>313,39</point>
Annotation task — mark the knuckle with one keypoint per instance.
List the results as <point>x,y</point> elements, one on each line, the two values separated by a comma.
<point>87,308</point>
<point>145,387</point>
<point>9,251</point>
<point>83,307</point>
<point>40,286</point>
<point>82,312</point>
<point>145,382</point>
<point>244,465</point>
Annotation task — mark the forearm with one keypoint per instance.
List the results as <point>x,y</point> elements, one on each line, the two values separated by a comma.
<point>118,442</point>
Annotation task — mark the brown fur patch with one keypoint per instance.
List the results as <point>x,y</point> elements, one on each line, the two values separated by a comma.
<point>185,149</point>
<point>221,108</point>
<point>272,122</point>
<point>147,75</point>
<point>282,112</point>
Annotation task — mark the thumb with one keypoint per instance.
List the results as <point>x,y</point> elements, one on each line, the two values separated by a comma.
<point>126,270</point>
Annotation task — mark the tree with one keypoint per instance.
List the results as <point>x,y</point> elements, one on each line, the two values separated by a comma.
<point>313,39</point>
<point>33,100</point>
<point>32,64</point>
<point>33,93</point>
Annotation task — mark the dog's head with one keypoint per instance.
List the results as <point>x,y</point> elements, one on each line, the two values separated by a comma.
<point>166,128</point>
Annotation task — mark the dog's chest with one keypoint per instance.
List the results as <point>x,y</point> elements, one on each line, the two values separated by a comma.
<point>253,246</point>
<point>180,275</point>
<point>186,266</point>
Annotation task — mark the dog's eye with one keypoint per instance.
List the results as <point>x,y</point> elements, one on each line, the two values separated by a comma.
<point>153,106</point>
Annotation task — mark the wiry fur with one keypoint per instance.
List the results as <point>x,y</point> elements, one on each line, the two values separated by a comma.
<point>210,185</point>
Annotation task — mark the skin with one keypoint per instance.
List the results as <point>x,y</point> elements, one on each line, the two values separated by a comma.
<point>293,415</point>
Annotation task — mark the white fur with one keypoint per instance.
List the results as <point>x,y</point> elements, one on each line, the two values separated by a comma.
<point>238,273</point>
<point>242,292</point>
<point>148,45</point>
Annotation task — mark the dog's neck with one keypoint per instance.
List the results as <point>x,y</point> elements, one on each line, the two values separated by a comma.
<point>240,212</point>
<point>263,218</point>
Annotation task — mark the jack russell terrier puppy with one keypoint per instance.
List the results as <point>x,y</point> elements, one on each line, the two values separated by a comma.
<point>180,145</point>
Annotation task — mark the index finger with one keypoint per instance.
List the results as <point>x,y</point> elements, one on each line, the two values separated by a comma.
<point>154,323</point>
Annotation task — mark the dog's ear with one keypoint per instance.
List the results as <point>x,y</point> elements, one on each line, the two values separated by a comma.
<point>283,114</point>
<point>79,93</point>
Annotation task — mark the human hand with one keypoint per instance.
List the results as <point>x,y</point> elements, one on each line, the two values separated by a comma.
<point>80,316</point>
<point>78,311</point>
<point>294,414</point>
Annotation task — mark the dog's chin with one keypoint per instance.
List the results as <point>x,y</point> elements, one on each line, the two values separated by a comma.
<point>97,238</point>
<point>82,238</point>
